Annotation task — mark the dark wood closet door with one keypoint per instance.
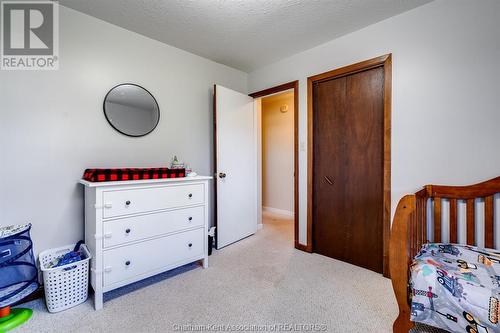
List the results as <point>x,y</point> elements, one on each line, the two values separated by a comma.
<point>328,191</point>
<point>348,168</point>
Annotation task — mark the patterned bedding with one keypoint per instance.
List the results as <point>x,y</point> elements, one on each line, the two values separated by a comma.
<point>456,288</point>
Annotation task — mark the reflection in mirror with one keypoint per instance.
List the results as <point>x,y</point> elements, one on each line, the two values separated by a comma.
<point>131,110</point>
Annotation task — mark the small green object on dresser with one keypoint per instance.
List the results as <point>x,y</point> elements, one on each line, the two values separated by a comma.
<point>176,164</point>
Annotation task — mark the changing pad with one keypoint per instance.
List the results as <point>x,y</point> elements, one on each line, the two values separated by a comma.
<point>109,175</point>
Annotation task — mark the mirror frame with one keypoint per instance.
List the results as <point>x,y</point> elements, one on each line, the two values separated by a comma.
<point>150,94</point>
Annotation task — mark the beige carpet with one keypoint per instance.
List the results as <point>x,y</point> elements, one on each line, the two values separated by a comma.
<point>261,280</point>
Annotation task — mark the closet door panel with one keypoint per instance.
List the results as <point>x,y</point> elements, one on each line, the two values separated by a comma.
<point>364,164</point>
<point>329,174</point>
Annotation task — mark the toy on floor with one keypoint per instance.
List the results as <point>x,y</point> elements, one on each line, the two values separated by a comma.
<point>18,274</point>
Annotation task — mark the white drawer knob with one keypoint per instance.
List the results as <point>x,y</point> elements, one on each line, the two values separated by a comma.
<point>107,269</point>
<point>108,205</point>
<point>108,235</point>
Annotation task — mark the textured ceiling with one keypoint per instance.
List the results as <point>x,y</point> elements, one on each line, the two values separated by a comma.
<point>244,34</point>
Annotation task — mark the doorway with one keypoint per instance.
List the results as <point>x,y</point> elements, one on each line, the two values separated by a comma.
<point>277,134</point>
<point>349,163</point>
<point>237,156</point>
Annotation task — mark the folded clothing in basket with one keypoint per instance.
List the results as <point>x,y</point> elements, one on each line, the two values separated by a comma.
<point>68,258</point>
<point>106,175</point>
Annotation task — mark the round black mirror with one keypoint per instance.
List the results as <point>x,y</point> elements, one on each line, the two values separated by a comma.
<point>131,110</point>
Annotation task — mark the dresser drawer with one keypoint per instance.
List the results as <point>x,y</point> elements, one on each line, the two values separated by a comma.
<point>135,228</point>
<point>130,261</point>
<point>124,202</point>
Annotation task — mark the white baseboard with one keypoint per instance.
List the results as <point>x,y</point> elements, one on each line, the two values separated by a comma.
<point>260,226</point>
<point>278,211</point>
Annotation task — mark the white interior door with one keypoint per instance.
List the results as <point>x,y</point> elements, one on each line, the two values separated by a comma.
<point>236,166</point>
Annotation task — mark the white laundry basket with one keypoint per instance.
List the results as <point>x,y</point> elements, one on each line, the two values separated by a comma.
<point>65,286</point>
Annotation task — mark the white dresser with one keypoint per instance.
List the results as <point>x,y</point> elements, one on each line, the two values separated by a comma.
<point>136,229</point>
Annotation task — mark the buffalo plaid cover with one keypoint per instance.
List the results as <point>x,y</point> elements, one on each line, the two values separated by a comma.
<point>107,175</point>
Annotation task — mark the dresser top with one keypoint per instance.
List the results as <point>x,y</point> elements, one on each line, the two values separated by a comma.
<point>144,181</point>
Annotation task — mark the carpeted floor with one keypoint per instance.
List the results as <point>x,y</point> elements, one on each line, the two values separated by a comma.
<point>261,280</point>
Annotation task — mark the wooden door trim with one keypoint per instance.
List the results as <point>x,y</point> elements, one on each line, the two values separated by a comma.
<point>384,61</point>
<point>273,90</point>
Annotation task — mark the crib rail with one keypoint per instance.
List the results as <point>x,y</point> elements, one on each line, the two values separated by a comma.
<point>436,195</point>
<point>423,210</point>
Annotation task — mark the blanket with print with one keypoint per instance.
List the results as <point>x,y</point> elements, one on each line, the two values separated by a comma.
<point>456,288</point>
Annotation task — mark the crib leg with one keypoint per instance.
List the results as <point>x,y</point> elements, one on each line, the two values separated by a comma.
<point>399,260</point>
<point>403,323</point>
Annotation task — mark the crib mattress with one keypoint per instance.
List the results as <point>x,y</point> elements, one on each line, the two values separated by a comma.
<point>456,288</point>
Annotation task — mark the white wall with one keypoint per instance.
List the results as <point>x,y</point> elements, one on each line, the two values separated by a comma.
<point>446,91</point>
<point>277,153</point>
<point>52,124</point>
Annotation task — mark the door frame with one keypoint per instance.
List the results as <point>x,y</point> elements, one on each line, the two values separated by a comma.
<point>384,61</point>
<point>273,90</point>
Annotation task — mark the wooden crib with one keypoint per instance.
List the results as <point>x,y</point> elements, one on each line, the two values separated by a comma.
<point>409,231</point>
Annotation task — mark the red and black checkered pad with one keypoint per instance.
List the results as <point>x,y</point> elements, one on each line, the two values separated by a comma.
<point>111,175</point>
